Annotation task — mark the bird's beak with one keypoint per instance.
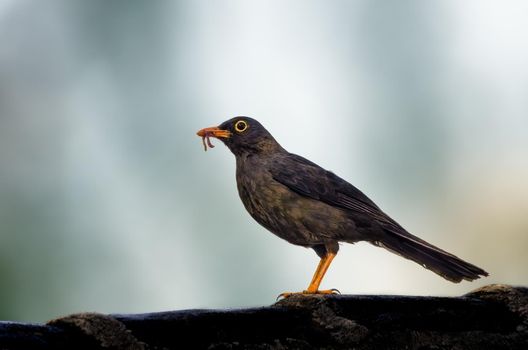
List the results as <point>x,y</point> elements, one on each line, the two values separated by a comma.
<point>214,131</point>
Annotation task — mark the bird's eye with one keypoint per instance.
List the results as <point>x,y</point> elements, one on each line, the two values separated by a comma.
<point>241,126</point>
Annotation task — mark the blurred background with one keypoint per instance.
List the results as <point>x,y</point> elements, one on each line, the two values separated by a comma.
<point>108,202</point>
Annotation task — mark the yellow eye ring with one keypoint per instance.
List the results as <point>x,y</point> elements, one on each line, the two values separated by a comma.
<point>241,126</point>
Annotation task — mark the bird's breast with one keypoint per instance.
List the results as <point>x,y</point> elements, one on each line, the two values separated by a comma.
<point>293,217</point>
<point>261,195</point>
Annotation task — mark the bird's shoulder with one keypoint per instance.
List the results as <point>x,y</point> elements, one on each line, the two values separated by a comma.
<point>312,179</point>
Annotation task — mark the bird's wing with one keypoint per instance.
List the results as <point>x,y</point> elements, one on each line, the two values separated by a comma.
<point>308,179</point>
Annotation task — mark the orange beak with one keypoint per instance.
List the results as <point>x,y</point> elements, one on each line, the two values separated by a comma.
<point>214,131</point>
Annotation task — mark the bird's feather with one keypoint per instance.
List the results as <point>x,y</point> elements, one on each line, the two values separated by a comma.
<point>308,179</point>
<point>307,205</point>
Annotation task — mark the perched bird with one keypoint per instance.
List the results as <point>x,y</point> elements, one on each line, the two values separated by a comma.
<point>309,206</point>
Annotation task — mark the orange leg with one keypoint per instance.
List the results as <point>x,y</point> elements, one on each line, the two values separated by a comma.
<point>313,288</point>
<point>323,266</point>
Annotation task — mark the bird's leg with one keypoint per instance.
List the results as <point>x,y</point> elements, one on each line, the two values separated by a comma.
<point>323,266</point>
<point>313,288</point>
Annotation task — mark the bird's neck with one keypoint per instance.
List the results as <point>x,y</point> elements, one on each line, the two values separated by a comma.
<point>263,148</point>
<point>270,147</point>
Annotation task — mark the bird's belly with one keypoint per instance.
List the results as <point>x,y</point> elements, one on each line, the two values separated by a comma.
<point>295,218</point>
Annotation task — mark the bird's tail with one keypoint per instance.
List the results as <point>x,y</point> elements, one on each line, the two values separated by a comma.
<point>435,259</point>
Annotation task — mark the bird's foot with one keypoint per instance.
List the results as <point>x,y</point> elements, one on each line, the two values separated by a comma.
<point>308,292</point>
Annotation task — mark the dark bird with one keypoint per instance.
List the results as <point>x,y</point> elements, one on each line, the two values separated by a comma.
<point>309,206</point>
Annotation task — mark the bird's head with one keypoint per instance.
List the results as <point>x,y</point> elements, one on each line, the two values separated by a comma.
<point>241,135</point>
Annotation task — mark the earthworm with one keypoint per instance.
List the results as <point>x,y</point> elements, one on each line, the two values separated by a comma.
<point>206,141</point>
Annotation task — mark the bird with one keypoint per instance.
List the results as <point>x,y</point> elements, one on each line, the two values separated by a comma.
<point>309,206</point>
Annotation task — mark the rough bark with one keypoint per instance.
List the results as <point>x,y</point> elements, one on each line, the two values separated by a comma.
<point>493,317</point>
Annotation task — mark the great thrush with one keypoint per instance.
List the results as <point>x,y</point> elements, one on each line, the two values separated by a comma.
<point>309,206</point>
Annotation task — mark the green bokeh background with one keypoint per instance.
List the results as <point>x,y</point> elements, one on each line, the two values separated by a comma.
<point>108,202</point>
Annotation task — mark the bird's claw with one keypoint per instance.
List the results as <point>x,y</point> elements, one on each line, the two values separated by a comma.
<point>286,295</point>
